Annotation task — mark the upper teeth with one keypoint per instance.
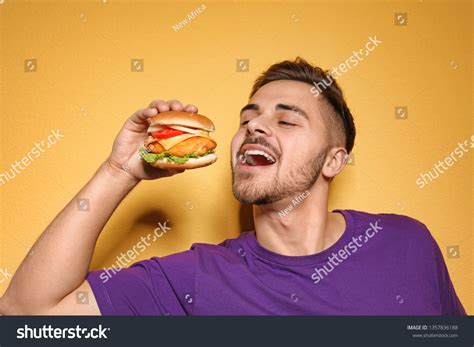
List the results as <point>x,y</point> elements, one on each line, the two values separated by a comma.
<point>246,156</point>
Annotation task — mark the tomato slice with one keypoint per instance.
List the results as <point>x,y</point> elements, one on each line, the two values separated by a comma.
<point>166,133</point>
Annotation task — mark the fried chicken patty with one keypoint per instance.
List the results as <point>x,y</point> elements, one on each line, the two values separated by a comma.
<point>197,144</point>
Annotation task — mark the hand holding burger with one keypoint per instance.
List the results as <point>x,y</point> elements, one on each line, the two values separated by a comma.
<point>124,160</point>
<point>179,140</point>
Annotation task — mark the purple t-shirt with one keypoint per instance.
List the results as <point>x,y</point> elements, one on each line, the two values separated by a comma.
<point>383,264</point>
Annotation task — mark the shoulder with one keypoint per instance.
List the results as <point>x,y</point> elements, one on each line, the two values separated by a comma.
<point>226,249</point>
<point>395,227</point>
<point>395,222</point>
<point>402,238</point>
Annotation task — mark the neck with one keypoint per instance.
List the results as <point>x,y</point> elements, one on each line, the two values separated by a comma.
<point>299,225</point>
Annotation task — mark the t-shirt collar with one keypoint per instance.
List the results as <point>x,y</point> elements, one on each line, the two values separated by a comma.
<point>311,259</point>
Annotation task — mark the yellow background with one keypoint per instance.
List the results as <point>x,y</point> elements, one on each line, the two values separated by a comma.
<point>84,87</point>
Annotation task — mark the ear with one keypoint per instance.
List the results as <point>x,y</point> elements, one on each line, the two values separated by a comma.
<point>336,160</point>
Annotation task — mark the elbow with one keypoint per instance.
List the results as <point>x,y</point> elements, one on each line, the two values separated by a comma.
<point>5,307</point>
<point>9,307</point>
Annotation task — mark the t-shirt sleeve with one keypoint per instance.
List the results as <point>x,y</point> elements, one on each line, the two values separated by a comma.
<point>449,301</point>
<point>144,288</point>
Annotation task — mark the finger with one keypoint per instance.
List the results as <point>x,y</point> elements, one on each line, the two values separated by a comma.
<point>160,105</point>
<point>140,117</point>
<point>191,108</point>
<point>175,105</point>
<point>150,112</point>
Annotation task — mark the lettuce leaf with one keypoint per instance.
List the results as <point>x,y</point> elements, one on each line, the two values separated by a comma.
<point>153,157</point>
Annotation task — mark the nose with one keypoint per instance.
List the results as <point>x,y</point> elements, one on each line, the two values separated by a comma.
<point>257,126</point>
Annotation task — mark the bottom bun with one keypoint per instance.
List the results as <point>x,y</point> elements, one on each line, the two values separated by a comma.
<point>192,163</point>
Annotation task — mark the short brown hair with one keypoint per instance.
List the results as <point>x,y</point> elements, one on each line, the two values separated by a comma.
<point>340,122</point>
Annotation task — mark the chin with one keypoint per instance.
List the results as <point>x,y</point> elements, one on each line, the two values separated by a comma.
<point>254,191</point>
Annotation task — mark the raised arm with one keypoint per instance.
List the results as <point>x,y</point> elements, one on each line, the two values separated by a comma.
<point>51,278</point>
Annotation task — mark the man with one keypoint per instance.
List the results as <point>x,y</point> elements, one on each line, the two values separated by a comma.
<point>301,259</point>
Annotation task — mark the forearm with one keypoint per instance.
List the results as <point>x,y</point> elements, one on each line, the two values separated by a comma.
<point>59,260</point>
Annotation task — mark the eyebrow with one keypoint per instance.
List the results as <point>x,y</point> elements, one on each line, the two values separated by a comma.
<point>285,107</point>
<point>249,107</point>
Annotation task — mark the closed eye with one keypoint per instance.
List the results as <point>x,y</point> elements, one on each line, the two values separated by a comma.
<point>281,122</point>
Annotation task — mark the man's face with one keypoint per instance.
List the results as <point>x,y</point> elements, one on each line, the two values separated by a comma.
<point>280,147</point>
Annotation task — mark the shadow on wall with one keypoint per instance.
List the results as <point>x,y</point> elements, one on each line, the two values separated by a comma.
<point>130,227</point>
<point>146,220</point>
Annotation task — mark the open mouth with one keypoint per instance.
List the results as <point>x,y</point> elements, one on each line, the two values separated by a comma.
<point>256,157</point>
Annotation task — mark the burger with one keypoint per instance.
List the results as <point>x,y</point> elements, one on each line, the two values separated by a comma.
<point>179,140</point>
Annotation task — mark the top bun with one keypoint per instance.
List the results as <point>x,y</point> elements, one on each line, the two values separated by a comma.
<point>186,119</point>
